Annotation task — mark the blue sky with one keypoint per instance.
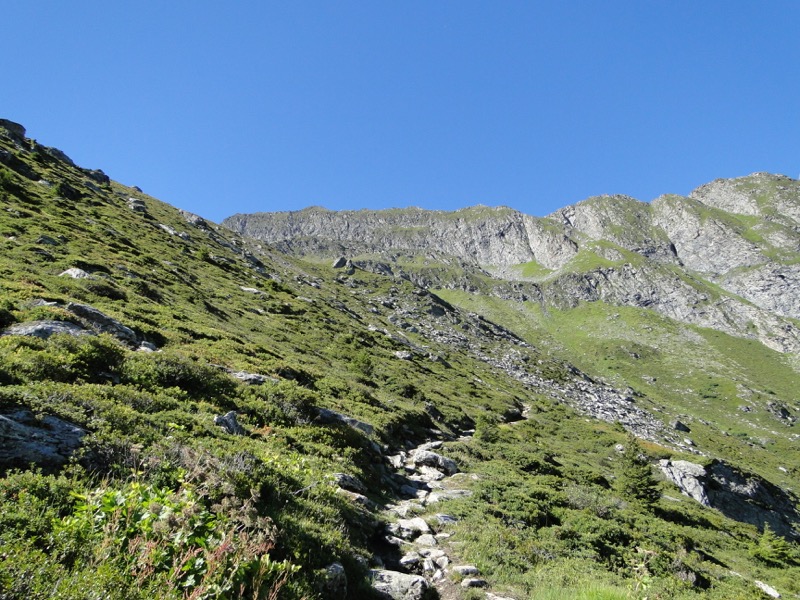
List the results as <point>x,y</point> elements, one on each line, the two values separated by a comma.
<point>246,106</point>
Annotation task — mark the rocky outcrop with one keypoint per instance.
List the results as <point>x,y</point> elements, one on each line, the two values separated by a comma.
<point>102,323</point>
<point>738,495</point>
<point>45,328</point>
<point>91,321</point>
<point>230,423</point>
<point>46,441</point>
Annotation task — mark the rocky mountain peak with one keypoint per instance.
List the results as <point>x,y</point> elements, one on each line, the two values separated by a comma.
<point>758,194</point>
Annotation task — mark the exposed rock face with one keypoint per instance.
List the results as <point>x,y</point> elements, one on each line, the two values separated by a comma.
<point>725,257</point>
<point>102,323</point>
<point>47,441</point>
<point>229,423</point>
<point>740,496</point>
<point>44,329</point>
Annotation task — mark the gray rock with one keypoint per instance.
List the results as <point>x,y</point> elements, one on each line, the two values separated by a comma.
<point>47,441</point>
<point>97,175</point>
<point>679,426</point>
<point>253,378</point>
<point>47,240</point>
<point>102,323</point>
<point>397,460</point>
<point>75,273</point>
<point>738,495</point>
<point>229,423</point>
<point>441,495</point>
<point>193,219</point>
<point>409,528</point>
<point>398,586</point>
<point>44,329</point>
<point>474,582</point>
<point>465,570</point>
<point>136,205</point>
<point>348,482</point>
<point>688,476</point>
<point>446,519</point>
<point>403,355</point>
<point>411,560</point>
<point>357,498</point>
<point>426,539</point>
<point>429,474</point>
<point>339,263</point>
<point>327,416</point>
<point>335,582</point>
<point>437,461</point>
<point>251,290</point>
<point>409,491</point>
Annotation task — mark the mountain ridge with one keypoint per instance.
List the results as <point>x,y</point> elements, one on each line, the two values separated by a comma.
<point>739,265</point>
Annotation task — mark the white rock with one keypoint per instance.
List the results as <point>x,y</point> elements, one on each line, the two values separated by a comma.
<point>767,589</point>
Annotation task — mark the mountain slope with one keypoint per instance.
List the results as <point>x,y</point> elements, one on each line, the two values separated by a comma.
<point>687,258</point>
<point>187,413</point>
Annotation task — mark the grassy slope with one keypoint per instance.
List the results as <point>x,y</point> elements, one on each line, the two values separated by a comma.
<point>545,520</point>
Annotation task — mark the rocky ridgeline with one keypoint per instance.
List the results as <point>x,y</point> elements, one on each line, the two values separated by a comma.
<point>725,257</point>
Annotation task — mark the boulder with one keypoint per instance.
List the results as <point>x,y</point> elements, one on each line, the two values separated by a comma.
<point>253,378</point>
<point>137,205</point>
<point>97,175</point>
<point>48,241</point>
<point>680,426</point>
<point>357,498</point>
<point>427,539</point>
<point>688,476</point>
<point>46,441</point>
<point>229,423</point>
<point>393,585</point>
<point>348,482</point>
<point>75,273</point>
<point>409,528</point>
<point>102,323</point>
<point>437,461</point>
<point>474,582</point>
<point>410,560</point>
<point>44,329</point>
<point>327,416</point>
<point>339,263</point>
<point>738,495</point>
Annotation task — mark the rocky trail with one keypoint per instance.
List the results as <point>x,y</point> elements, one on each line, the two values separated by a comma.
<point>416,555</point>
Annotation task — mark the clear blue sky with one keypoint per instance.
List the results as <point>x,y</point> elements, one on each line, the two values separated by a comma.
<point>251,106</point>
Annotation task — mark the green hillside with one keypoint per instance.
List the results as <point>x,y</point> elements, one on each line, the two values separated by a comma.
<point>131,327</point>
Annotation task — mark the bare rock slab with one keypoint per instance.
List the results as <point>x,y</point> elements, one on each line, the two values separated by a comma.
<point>393,585</point>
